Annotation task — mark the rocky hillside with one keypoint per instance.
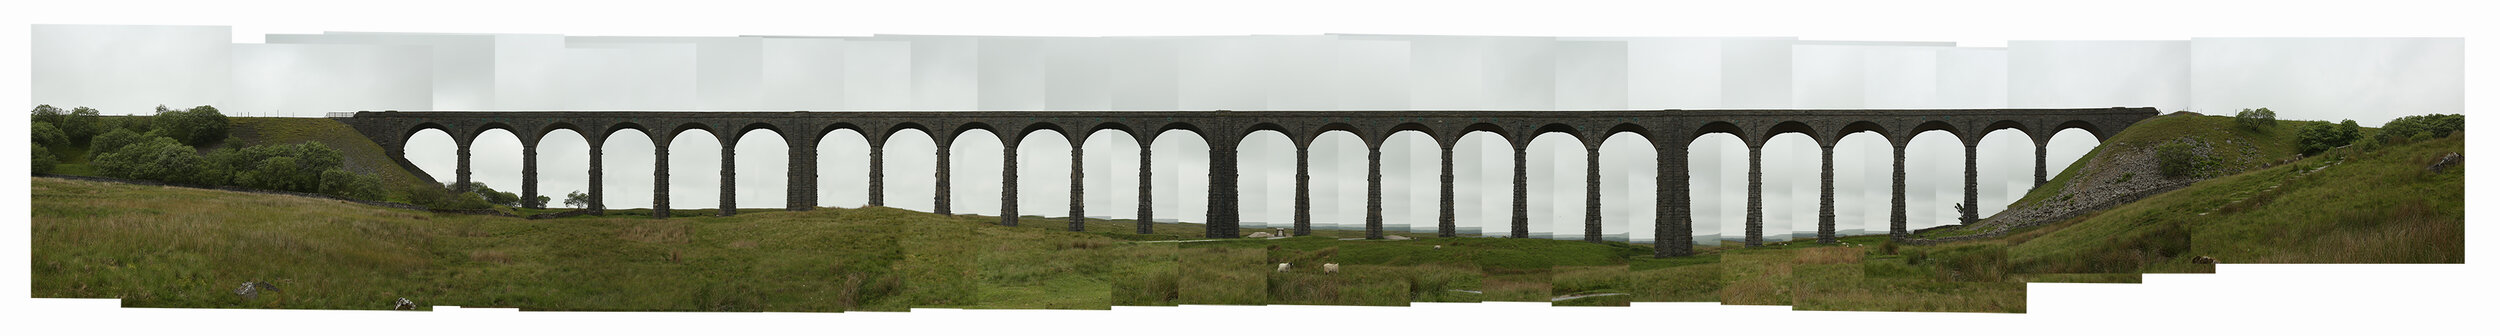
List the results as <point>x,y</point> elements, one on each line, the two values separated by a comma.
<point>2125,169</point>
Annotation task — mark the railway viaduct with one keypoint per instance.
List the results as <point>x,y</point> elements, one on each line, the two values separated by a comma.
<point>1668,131</point>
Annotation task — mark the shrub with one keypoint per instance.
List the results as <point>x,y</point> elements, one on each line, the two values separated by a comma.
<point>441,197</point>
<point>197,126</point>
<point>157,159</point>
<point>2434,125</point>
<point>44,161</point>
<point>494,197</point>
<point>2319,137</point>
<point>81,124</point>
<point>46,135</point>
<point>291,167</point>
<point>339,182</point>
<point>113,140</point>
<point>48,114</point>
<point>2177,159</point>
<point>2260,119</point>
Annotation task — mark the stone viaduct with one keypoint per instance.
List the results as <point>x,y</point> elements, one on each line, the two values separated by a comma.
<point>1669,132</point>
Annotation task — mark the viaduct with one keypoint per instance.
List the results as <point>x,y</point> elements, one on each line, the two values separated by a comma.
<point>1669,131</point>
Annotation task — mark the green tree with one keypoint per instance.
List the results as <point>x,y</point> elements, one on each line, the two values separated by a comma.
<point>46,135</point>
<point>341,183</point>
<point>47,113</point>
<point>2260,119</point>
<point>577,199</point>
<point>113,140</point>
<point>82,124</point>
<point>44,161</point>
<point>158,159</point>
<point>2319,137</point>
<point>197,126</point>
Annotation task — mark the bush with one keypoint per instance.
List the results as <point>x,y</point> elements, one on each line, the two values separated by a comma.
<point>339,182</point>
<point>491,196</point>
<point>2319,137</point>
<point>2260,119</point>
<point>290,167</point>
<point>198,126</point>
<point>441,197</point>
<point>49,114</point>
<point>157,159</point>
<point>114,140</point>
<point>46,135</point>
<point>2434,125</point>
<point>44,161</point>
<point>2177,159</point>
<point>81,125</point>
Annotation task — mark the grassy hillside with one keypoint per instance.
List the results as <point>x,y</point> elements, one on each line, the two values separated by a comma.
<point>357,153</point>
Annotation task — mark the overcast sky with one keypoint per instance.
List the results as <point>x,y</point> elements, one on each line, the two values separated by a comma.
<point>2366,79</point>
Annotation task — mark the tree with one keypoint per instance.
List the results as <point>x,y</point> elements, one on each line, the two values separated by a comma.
<point>539,201</point>
<point>492,196</point>
<point>82,124</point>
<point>577,199</point>
<point>2430,125</point>
<point>47,113</point>
<point>46,135</point>
<point>341,183</point>
<point>158,159</point>
<point>44,161</point>
<point>198,126</point>
<point>2319,137</point>
<point>114,140</point>
<point>2260,119</point>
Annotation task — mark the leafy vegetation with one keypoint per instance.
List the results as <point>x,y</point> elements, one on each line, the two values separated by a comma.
<point>2260,119</point>
<point>2317,138</point>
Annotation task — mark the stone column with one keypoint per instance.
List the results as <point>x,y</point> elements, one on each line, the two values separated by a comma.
<point>1301,190</point>
<point>529,176</point>
<point>1519,190</point>
<point>659,179</point>
<point>461,175</point>
<point>1675,212</point>
<point>876,173</point>
<point>1449,197</point>
<point>1145,187</point>
<point>1223,193</point>
<point>1007,188</point>
<point>1594,230</point>
<point>802,175</point>
<point>1371,205</point>
<point>1076,185</point>
<point>598,194</point>
<point>1900,194</point>
<point>1970,181</point>
<point>2039,164</point>
<point>1826,226</point>
<point>945,183</point>
<point>1753,195</point>
<point>729,178</point>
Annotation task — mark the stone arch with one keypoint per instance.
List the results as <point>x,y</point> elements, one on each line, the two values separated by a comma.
<point>1563,128</point>
<point>830,128</point>
<point>628,125</point>
<point>551,128</point>
<point>1792,126</point>
<point>1497,131</point>
<point>1933,125</point>
<point>517,133</point>
<point>1724,127</point>
<point>1861,126</point>
<point>1123,128</point>
<point>2087,126</point>
<point>422,126</point>
<point>1037,127</point>
<point>958,132</point>
<point>733,138</point>
<point>2017,126</point>
<point>682,128</point>
<point>1618,128</point>
<point>889,132</point>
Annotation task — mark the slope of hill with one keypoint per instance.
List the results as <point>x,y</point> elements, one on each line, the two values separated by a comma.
<point>2124,169</point>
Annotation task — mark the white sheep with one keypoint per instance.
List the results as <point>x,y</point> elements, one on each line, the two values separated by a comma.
<point>1282,267</point>
<point>1331,268</point>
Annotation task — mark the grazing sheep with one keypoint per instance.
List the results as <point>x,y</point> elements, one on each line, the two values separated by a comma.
<point>1436,247</point>
<point>1331,268</point>
<point>1283,267</point>
<point>2204,260</point>
<point>404,304</point>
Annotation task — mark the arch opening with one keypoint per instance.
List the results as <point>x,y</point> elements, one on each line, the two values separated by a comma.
<point>1482,183</point>
<point>762,159</point>
<point>1557,186</point>
<point>1627,178</point>
<point>976,160</point>
<point>1410,186</point>
<point>564,168</point>
<point>842,169</point>
<point>1265,185</point>
<point>694,180</point>
<point>626,166</point>
<point>1042,173</point>
<point>910,170</point>
<point>1717,161</point>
